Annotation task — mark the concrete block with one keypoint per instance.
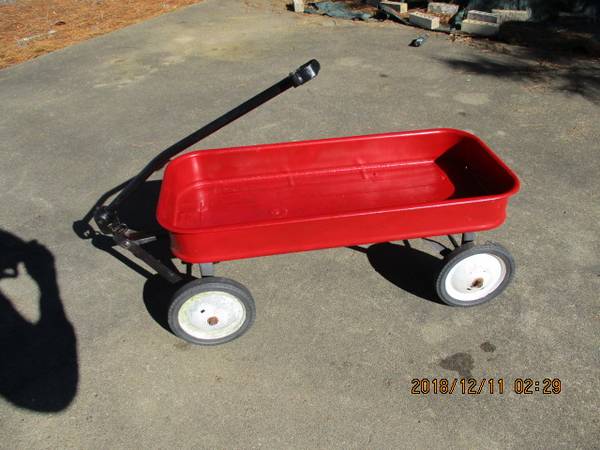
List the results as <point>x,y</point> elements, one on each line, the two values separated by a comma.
<point>482,16</point>
<point>442,8</point>
<point>511,15</point>
<point>299,6</point>
<point>423,20</point>
<point>480,28</point>
<point>401,7</point>
<point>395,15</point>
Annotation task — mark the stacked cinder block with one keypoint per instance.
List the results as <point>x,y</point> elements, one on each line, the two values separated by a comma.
<point>488,24</point>
<point>299,6</point>
<point>509,15</point>
<point>482,16</point>
<point>480,23</point>
<point>430,20</point>
<point>479,28</point>
<point>424,20</point>
<point>401,7</point>
<point>442,8</point>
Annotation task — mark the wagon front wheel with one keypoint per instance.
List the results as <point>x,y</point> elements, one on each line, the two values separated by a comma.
<point>211,311</point>
<point>475,274</point>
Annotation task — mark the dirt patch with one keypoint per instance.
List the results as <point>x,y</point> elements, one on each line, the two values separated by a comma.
<point>30,28</point>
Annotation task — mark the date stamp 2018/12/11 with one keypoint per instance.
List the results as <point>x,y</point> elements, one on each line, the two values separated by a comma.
<point>493,386</point>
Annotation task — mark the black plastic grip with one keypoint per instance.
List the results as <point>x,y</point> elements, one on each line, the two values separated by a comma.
<point>305,72</point>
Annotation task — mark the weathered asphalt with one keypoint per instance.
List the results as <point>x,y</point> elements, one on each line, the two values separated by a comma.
<point>329,361</point>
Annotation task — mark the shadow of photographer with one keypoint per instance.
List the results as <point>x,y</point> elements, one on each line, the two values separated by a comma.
<point>38,361</point>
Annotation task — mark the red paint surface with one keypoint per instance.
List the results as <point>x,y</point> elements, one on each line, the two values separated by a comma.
<point>267,199</point>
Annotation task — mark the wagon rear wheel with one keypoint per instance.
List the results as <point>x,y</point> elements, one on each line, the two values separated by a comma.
<point>475,274</point>
<point>211,311</point>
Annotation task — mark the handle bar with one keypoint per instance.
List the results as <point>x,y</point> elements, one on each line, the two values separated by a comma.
<point>105,216</point>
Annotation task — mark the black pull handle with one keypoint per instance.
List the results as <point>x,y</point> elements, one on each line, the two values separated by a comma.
<point>305,72</point>
<point>105,215</point>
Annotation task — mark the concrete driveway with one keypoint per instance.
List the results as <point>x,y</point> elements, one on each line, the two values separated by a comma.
<point>330,359</point>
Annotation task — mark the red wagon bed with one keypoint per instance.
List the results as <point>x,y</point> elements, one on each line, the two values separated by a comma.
<point>267,199</point>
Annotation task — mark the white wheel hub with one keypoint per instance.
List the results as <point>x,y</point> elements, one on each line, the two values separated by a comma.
<point>211,315</point>
<point>475,277</point>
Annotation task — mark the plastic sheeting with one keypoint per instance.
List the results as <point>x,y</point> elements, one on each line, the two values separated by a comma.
<point>338,10</point>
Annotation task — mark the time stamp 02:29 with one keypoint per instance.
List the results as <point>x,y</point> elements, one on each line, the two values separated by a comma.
<point>493,386</point>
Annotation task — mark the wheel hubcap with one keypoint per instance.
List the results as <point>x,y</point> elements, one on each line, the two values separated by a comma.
<point>475,277</point>
<point>212,315</point>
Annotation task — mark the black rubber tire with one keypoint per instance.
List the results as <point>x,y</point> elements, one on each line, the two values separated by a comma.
<point>463,252</point>
<point>211,284</point>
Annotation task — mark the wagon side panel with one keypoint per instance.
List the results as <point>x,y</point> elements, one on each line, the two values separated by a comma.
<point>221,244</point>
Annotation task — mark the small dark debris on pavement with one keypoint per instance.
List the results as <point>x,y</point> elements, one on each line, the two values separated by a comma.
<point>418,41</point>
<point>337,10</point>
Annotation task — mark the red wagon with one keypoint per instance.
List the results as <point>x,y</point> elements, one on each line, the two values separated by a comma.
<point>244,202</point>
